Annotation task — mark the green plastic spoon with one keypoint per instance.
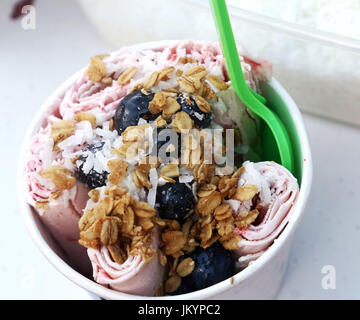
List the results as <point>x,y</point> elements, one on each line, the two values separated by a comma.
<point>251,99</point>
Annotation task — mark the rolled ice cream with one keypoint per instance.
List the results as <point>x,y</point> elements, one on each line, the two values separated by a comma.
<point>118,176</point>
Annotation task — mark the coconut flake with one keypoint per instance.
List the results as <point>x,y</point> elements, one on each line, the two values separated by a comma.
<point>194,188</point>
<point>117,142</point>
<point>162,181</point>
<point>186,179</point>
<point>111,135</point>
<point>88,163</point>
<point>142,121</point>
<point>99,162</point>
<point>198,115</point>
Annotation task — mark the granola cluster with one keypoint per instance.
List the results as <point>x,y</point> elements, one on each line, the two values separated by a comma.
<point>217,220</point>
<point>120,223</point>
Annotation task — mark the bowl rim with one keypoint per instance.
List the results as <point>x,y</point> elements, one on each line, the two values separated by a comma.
<point>99,290</point>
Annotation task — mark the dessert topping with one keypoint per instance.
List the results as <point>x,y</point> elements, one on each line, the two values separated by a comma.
<point>85,116</point>
<point>158,103</point>
<point>246,218</point>
<point>185,267</point>
<point>246,192</point>
<point>182,121</point>
<point>97,69</point>
<point>151,80</point>
<point>170,108</point>
<point>117,170</point>
<point>141,178</point>
<point>173,241</point>
<point>163,74</point>
<point>94,195</point>
<point>217,82</point>
<point>120,223</point>
<point>60,130</point>
<point>127,75</point>
<point>171,170</point>
<point>203,105</point>
<point>210,266</point>
<point>44,205</point>
<point>90,168</point>
<point>60,176</point>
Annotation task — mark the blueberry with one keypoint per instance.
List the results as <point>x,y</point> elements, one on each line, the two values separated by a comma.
<point>185,287</point>
<point>176,201</point>
<point>93,178</point>
<point>131,108</point>
<point>188,105</point>
<point>212,265</point>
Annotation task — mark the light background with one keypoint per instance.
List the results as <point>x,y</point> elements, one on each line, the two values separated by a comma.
<point>34,62</point>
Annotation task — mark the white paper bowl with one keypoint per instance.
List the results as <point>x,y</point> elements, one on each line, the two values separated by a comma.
<point>260,280</point>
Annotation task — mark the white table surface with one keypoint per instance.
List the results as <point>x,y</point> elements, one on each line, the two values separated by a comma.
<point>34,62</point>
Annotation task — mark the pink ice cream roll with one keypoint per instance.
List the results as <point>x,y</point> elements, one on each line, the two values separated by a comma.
<point>134,276</point>
<point>60,215</point>
<point>277,192</point>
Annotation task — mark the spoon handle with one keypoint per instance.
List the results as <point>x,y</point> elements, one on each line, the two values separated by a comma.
<point>228,45</point>
<point>248,97</point>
